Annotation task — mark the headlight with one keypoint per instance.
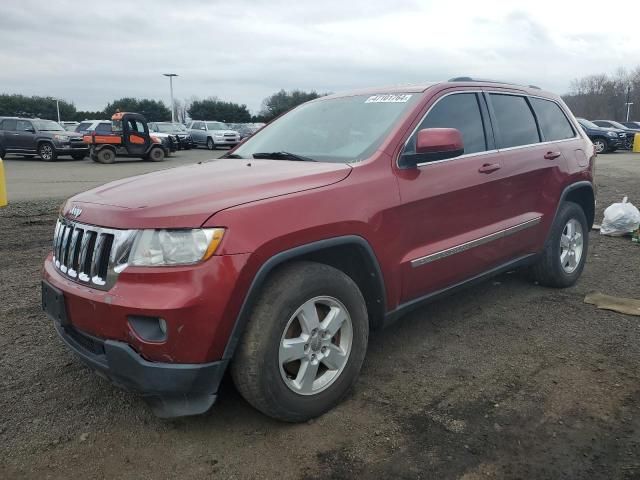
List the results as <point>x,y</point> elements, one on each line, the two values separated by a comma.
<point>174,247</point>
<point>61,138</point>
<point>612,134</point>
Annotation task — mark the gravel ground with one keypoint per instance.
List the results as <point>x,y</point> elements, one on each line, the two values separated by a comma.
<point>505,380</point>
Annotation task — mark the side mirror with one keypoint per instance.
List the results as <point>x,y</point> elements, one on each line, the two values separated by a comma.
<point>434,144</point>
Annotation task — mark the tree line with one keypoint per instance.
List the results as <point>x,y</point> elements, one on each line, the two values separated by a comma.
<point>211,108</point>
<point>605,96</point>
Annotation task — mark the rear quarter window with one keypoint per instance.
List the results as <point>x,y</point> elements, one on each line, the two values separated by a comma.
<point>103,128</point>
<point>9,125</point>
<point>516,123</point>
<point>553,122</point>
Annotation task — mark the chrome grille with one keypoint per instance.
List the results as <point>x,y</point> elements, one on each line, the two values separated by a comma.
<point>89,254</point>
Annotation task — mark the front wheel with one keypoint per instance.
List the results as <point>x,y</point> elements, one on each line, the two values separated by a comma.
<point>305,342</point>
<point>47,152</point>
<point>210,144</point>
<point>565,253</point>
<point>156,154</point>
<point>601,145</point>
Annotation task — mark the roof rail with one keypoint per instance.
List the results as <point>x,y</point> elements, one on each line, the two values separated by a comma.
<point>470,79</point>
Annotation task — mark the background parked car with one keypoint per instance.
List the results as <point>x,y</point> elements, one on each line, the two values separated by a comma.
<point>185,141</point>
<point>170,142</point>
<point>632,125</point>
<point>46,138</point>
<point>629,132</point>
<point>604,139</point>
<point>213,134</point>
<point>246,129</point>
<point>69,126</point>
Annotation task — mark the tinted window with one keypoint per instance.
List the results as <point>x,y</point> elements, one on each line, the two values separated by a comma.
<point>552,121</point>
<point>103,127</point>
<point>9,125</point>
<point>460,111</point>
<point>602,123</point>
<point>23,125</point>
<point>515,121</point>
<point>197,125</point>
<point>83,126</point>
<point>136,126</point>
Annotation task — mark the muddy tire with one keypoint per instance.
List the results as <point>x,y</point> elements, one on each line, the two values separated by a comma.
<point>304,344</point>
<point>47,152</point>
<point>156,154</point>
<point>106,155</point>
<point>563,258</point>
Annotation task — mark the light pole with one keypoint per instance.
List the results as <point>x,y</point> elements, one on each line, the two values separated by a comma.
<point>171,75</point>
<point>628,104</point>
<point>58,109</point>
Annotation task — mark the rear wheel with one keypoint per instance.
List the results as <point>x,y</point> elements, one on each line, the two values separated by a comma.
<point>106,155</point>
<point>305,342</point>
<point>47,152</point>
<point>210,144</point>
<point>156,154</point>
<point>565,252</point>
<point>601,145</point>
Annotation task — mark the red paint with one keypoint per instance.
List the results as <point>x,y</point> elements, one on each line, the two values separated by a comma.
<point>268,206</point>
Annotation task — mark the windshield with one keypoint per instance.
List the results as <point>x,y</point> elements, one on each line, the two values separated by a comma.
<point>587,123</point>
<point>170,127</point>
<point>48,126</point>
<point>617,125</point>
<point>341,130</point>
<point>217,126</point>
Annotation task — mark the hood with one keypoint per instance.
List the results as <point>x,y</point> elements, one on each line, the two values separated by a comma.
<point>185,197</point>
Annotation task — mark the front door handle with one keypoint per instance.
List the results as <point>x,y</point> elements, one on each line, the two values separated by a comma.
<point>489,167</point>
<point>551,155</point>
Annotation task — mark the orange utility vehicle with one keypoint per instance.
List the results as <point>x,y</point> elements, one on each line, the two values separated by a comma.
<point>129,137</point>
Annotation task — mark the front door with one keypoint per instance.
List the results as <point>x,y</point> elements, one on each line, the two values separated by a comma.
<point>26,136</point>
<point>452,210</point>
<point>136,135</point>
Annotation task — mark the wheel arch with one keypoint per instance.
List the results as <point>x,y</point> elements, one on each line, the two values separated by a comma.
<point>581,193</point>
<point>351,254</point>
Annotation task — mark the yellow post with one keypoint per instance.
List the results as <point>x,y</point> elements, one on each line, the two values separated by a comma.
<point>636,143</point>
<point>3,186</point>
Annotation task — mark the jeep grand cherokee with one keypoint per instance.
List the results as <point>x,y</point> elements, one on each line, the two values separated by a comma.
<point>338,217</point>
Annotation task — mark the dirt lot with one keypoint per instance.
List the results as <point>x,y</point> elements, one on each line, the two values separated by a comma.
<point>506,380</point>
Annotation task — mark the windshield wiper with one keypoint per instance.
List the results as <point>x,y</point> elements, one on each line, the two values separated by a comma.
<point>231,155</point>
<point>283,156</point>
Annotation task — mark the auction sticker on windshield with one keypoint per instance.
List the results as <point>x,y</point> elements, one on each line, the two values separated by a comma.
<point>388,98</point>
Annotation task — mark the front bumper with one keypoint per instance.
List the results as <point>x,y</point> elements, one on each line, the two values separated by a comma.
<point>172,390</point>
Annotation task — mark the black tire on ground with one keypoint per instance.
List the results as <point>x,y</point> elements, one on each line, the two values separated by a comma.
<point>47,152</point>
<point>548,270</point>
<point>156,154</point>
<point>211,144</point>
<point>256,368</point>
<point>78,156</point>
<point>601,145</point>
<point>3,152</point>
<point>105,155</point>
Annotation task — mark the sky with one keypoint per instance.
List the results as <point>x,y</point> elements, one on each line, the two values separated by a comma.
<point>245,50</point>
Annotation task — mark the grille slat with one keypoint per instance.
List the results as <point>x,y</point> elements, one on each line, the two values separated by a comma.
<point>89,254</point>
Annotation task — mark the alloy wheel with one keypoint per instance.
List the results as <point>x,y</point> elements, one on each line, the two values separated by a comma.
<point>315,345</point>
<point>571,245</point>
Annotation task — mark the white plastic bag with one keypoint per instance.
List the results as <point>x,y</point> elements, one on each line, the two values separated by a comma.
<point>620,219</point>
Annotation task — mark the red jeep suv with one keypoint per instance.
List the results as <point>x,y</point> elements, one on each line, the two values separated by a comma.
<point>338,217</point>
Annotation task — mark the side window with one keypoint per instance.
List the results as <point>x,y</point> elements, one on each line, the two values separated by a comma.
<point>196,125</point>
<point>139,126</point>
<point>103,127</point>
<point>83,126</point>
<point>461,111</point>
<point>552,120</point>
<point>23,126</point>
<point>9,125</point>
<point>516,123</point>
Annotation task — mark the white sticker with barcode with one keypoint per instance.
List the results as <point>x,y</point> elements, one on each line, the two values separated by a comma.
<point>388,98</point>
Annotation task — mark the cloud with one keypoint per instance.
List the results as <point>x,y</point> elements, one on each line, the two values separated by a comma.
<point>244,50</point>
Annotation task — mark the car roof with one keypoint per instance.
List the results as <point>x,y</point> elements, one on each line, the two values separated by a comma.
<point>451,83</point>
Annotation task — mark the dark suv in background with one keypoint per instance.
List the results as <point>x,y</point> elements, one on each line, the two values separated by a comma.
<point>32,136</point>
<point>604,139</point>
<point>185,142</point>
<point>629,133</point>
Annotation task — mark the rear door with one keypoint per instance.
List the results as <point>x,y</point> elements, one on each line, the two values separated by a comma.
<point>452,210</point>
<point>534,165</point>
<point>9,133</point>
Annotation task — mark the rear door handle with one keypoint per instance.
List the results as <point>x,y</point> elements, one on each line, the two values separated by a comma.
<point>551,155</point>
<point>489,167</point>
